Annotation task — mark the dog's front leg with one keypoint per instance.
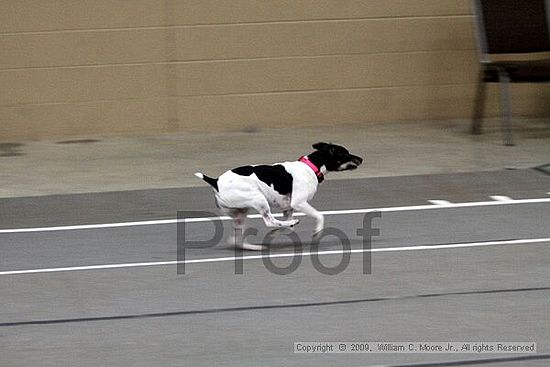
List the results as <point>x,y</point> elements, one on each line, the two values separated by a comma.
<point>307,209</point>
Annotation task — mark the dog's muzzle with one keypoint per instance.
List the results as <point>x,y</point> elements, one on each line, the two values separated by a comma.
<point>355,162</point>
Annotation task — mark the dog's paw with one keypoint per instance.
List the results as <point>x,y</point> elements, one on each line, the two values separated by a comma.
<point>281,231</point>
<point>251,247</point>
<point>317,234</point>
<point>294,222</point>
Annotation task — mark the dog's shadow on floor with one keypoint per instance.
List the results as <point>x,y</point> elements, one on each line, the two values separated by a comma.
<point>289,240</point>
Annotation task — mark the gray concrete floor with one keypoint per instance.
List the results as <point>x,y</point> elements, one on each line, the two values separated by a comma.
<point>100,164</point>
<point>209,316</point>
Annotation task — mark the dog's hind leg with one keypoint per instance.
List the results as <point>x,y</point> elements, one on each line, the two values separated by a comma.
<point>262,206</point>
<point>239,219</point>
<point>288,214</point>
<point>236,237</point>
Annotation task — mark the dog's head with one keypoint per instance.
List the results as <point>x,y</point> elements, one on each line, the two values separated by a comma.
<point>337,158</point>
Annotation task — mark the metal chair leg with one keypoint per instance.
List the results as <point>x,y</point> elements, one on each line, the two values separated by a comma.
<point>505,107</point>
<point>479,104</point>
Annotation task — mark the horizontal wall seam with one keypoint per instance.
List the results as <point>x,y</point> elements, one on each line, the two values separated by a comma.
<point>267,93</point>
<point>205,25</point>
<point>236,60</point>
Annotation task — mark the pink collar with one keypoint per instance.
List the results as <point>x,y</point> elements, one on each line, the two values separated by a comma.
<point>317,171</point>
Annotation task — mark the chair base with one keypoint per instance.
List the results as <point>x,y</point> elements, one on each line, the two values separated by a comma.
<point>505,105</point>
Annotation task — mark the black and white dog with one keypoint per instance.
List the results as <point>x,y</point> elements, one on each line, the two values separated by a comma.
<point>287,186</point>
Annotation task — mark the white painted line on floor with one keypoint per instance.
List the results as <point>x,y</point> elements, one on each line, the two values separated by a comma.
<point>439,202</point>
<point>501,198</point>
<point>326,212</point>
<point>528,241</point>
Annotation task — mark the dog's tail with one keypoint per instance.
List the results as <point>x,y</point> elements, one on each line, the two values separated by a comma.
<point>209,180</point>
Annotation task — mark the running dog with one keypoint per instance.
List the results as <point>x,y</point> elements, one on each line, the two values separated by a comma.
<point>287,186</point>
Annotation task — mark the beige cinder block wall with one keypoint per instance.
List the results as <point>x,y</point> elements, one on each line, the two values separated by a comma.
<point>104,67</point>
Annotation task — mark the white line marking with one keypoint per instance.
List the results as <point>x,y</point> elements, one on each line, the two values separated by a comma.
<point>327,212</point>
<point>439,202</point>
<point>531,241</point>
<point>501,198</point>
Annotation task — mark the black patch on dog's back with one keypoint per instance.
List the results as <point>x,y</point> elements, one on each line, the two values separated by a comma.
<point>275,175</point>
<point>244,170</point>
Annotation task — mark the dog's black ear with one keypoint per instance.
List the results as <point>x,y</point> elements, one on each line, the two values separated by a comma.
<point>321,146</point>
